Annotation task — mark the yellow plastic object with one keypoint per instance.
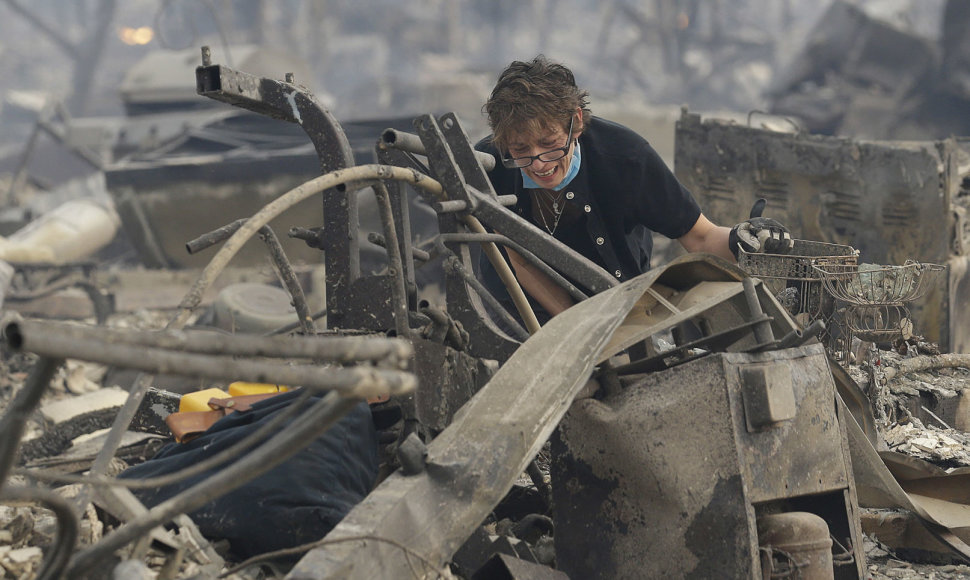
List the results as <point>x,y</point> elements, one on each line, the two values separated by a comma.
<point>199,400</point>
<point>240,388</point>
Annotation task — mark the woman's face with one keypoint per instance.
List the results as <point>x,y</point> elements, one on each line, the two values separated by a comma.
<point>547,174</point>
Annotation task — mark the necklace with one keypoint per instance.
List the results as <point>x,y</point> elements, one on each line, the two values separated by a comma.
<point>556,211</point>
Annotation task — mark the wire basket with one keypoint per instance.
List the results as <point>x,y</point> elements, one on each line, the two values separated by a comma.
<point>879,323</point>
<point>873,285</point>
<point>793,279</point>
<point>797,285</point>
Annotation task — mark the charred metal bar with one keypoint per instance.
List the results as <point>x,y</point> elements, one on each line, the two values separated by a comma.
<point>279,100</point>
<point>214,237</point>
<point>547,248</point>
<point>13,421</point>
<point>450,206</point>
<point>715,342</point>
<point>59,552</point>
<point>288,276</point>
<point>412,144</point>
<point>362,382</point>
<point>455,265</point>
<point>575,292</point>
<point>293,325</point>
<point>316,420</point>
<point>279,258</point>
<point>288,102</point>
<point>312,236</point>
<point>30,334</point>
<point>798,337</point>
<point>395,270</point>
<point>762,329</point>
<point>402,215</point>
<point>378,240</point>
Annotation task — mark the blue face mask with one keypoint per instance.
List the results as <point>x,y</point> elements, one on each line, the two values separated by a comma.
<point>570,173</point>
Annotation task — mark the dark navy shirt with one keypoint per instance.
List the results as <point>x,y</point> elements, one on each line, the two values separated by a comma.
<point>623,191</point>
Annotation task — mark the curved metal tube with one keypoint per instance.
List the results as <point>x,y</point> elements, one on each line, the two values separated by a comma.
<point>67,526</point>
<point>272,210</point>
<point>573,291</point>
<point>394,139</point>
<point>20,409</point>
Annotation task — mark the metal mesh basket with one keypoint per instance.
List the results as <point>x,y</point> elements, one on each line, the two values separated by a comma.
<point>797,285</point>
<point>793,278</point>
<point>872,285</point>
<point>879,323</point>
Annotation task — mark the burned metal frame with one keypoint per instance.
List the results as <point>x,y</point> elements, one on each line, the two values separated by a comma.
<point>283,266</point>
<point>731,319</point>
<point>428,514</point>
<point>34,281</point>
<point>430,510</point>
<point>161,353</point>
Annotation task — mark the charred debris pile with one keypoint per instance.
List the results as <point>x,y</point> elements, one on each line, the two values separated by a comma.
<point>673,425</point>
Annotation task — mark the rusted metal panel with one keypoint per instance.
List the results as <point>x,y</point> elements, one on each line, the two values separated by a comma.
<point>665,479</point>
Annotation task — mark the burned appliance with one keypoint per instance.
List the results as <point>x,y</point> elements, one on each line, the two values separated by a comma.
<point>678,475</point>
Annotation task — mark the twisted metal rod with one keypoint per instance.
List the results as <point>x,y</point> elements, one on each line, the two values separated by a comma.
<point>59,553</point>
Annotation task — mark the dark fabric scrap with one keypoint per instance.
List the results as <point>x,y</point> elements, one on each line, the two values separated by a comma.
<point>296,502</point>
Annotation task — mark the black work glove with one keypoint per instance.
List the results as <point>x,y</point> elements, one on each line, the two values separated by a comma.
<point>760,235</point>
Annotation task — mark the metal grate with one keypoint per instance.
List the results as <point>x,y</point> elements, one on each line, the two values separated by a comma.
<point>797,285</point>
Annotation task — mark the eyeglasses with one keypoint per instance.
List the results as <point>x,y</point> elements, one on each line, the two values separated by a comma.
<point>545,156</point>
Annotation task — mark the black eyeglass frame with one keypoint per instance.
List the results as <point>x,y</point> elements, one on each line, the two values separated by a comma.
<point>557,153</point>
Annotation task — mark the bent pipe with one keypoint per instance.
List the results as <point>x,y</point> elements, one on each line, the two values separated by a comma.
<point>390,352</point>
<point>65,538</point>
<point>354,382</point>
<point>411,143</point>
<point>13,421</point>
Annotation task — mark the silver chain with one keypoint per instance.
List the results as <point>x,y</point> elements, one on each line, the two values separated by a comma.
<point>556,210</point>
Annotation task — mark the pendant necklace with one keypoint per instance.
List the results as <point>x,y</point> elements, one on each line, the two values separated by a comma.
<point>556,211</point>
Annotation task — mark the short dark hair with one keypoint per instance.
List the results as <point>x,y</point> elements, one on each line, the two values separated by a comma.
<point>533,96</point>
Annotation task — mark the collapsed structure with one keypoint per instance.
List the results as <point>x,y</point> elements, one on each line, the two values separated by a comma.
<point>741,381</point>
